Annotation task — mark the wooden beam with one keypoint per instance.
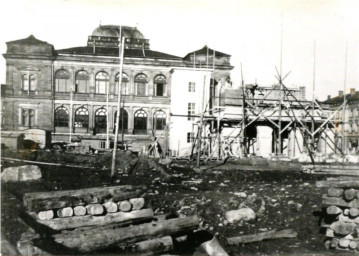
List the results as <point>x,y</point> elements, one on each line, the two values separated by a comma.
<point>90,220</point>
<point>273,234</point>
<point>338,183</point>
<point>97,238</point>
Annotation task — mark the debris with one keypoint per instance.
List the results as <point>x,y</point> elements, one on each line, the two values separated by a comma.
<point>213,248</point>
<point>246,214</point>
<point>21,173</point>
<point>153,246</point>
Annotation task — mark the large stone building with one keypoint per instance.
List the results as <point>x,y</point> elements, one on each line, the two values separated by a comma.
<point>73,92</point>
<point>346,122</point>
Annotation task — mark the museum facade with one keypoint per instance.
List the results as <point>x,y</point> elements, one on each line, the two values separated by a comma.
<point>73,92</point>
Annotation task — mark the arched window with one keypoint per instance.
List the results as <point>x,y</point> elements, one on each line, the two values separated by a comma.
<point>28,83</point>
<point>62,81</point>
<point>125,85</point>
<point>101,81</point>
<point>82,117</point>
<point>81,82</point>
<point>123,124</point>
<point>159,120</point>
<point>141,84</point>
<point>101,120</point>
<point>160,85</point>
<point>61,117</point>
<point>140,122</point>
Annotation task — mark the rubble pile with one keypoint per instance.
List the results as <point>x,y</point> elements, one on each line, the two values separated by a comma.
<point>341,217</point>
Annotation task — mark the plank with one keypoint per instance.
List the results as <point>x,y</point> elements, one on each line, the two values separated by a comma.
<point>273,234</point>
<point>338,183</point>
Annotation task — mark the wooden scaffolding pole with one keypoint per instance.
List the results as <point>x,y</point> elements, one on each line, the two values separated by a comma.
<point>114,151</point>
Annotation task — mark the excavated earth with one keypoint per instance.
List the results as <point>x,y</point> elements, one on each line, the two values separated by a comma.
<point>281,195</point>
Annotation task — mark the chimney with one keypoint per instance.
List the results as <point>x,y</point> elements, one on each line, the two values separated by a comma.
<point>329,97</point>
<point>352,91</point>
<point>341,93</point>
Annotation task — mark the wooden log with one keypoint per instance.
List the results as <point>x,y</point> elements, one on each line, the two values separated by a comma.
<point>346,212</point>
<point>110,207</point>
<point>340,202</point>
<point>334,210</point>
<point>335,192</point>
<point>65,212</point>
<point>358,194</point>
<point>273,234</point>
<point>137,203</point>
<point>353,245</point>
<point>213,248</point>
<point>89,220</point>
<point>353,212</point>
<point>344,243</point>
<point>45,215</point>
<point>338,183</point>
<point>153,246</point>
<point>124,206</point>
<point>94,209</point>
<point>342,228</point>
<point>79,210</point>
<point>334,243</point>
<point>95,239</point>
<point>350,194</point>
<point>327,244</point>
<point>40,201</point>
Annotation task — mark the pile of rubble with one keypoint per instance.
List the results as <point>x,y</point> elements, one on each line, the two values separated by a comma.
<point>341,217</point>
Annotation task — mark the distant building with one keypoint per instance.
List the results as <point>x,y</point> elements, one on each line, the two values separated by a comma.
<point>349,138</point>
<point>73,92</point>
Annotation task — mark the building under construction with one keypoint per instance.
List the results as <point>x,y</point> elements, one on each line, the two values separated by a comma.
<point>265,121</point>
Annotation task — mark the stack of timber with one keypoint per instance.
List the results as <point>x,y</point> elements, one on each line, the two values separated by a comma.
<point>92,219</point>
<point>341,218</point>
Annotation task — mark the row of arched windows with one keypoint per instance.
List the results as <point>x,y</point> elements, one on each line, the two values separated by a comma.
<point>102,79</point>
<point>82,119</point>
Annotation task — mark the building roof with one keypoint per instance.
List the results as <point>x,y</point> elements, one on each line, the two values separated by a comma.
<point>28,40</point>
<point>114,31</point>
<point>113,52</point>
<point>350,97</point>
<point>206,50</point>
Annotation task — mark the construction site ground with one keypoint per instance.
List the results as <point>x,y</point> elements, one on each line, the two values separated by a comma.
<point>282,196</point>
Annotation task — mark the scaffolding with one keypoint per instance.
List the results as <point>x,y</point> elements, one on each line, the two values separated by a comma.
<point>278,107</point>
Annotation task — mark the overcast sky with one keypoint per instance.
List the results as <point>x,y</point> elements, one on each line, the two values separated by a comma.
<point>249,30</point>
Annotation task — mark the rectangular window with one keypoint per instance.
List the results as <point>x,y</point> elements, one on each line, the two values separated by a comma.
<point>81,86</point>
<point>141,89</point>
<point>160,89</point>
<point>191,87</point>
<point>28,117</point>
<point>25,85</point>
<point>103,144</point>
<point>101,87</point>
<point>190,136</point>
<point>125,88</point>
<point>191,111</point>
